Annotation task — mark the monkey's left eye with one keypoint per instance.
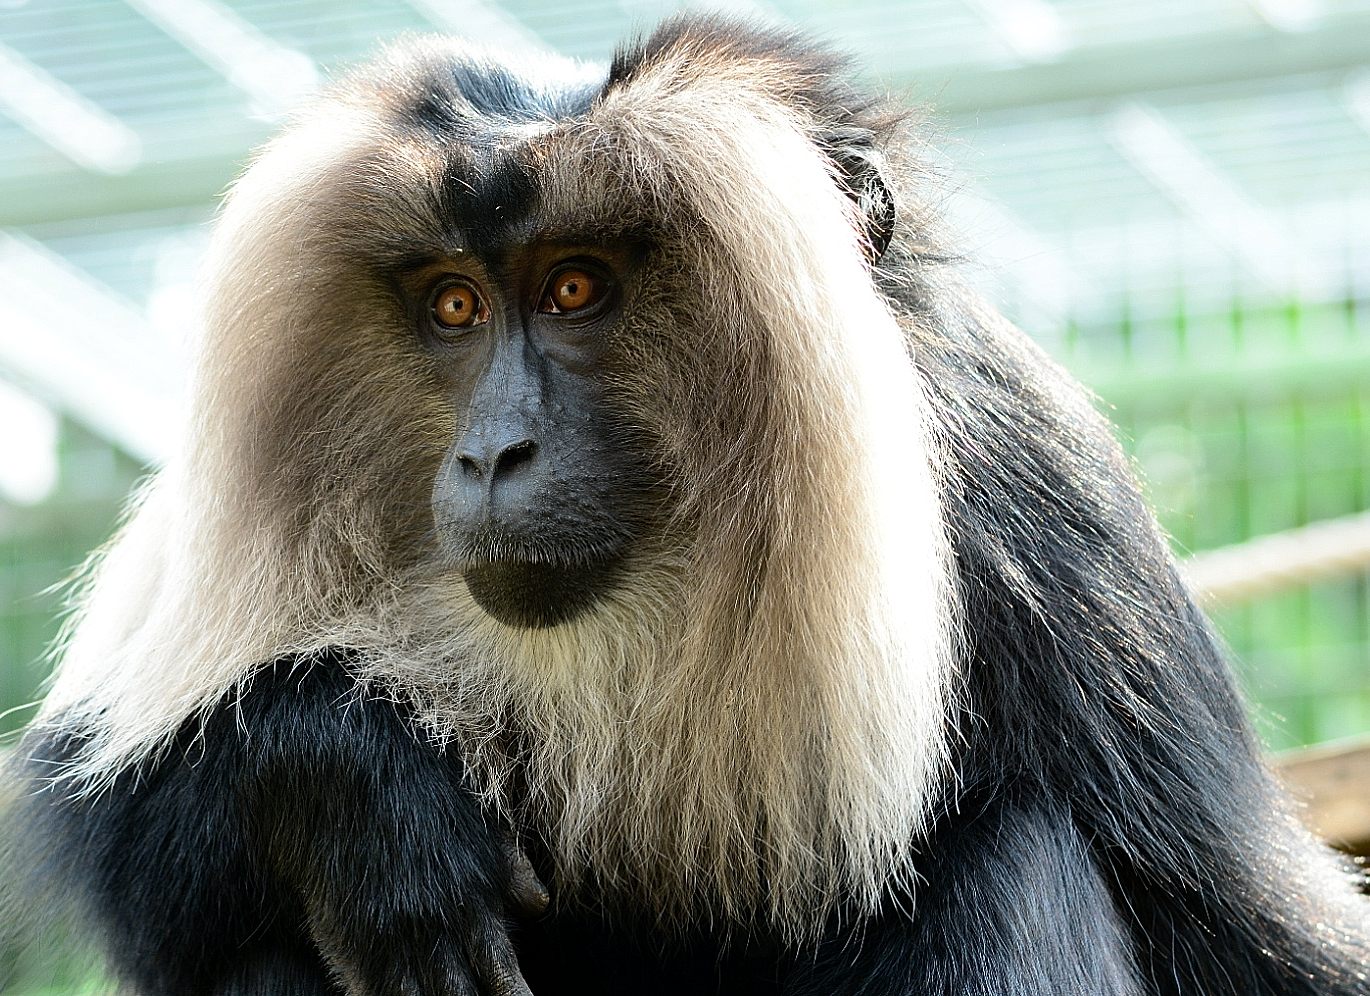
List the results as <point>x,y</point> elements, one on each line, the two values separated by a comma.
<point>572,289</point>
<point>459,306</point>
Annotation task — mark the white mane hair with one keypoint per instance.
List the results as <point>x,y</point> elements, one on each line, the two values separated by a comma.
<point>754,722</point>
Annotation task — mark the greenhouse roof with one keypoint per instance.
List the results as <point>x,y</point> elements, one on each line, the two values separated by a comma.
<point>1102,154</point>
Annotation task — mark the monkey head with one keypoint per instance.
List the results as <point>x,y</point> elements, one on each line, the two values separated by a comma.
<point>500,336</point>
<point>574,402</point>
<point>619,425</point>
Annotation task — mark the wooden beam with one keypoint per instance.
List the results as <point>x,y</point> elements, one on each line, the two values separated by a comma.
<point>1333,780</point>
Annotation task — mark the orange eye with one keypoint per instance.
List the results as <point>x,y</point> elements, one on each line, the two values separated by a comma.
<point>572,289</point>
<point>458,306</point>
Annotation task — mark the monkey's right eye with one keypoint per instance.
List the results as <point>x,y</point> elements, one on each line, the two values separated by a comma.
<point>459,306</point>
<point>571,290</point>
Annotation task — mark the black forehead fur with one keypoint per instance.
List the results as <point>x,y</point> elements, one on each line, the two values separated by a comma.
<point>471,106</point>
<point>469,96</point>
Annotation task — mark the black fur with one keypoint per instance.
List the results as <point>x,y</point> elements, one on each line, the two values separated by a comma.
<point>1111,830</point>
<point>300,816</point>
<point>1099,690</point>
<point>487,190</point>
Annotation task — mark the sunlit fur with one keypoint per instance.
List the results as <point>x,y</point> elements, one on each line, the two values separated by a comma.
<point>755,721</point>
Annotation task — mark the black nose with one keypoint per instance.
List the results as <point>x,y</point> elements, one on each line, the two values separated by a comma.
<point>491,479</point>
<point>493,463</point>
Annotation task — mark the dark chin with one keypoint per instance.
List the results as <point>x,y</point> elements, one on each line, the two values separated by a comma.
<point>537,596</point>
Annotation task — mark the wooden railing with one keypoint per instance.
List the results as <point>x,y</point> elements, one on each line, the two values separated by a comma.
<point>1333,780</point>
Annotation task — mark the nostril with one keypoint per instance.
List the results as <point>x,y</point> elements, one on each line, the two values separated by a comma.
<point>470,466</point>
<point>480,462</point>
<point>514,457</point>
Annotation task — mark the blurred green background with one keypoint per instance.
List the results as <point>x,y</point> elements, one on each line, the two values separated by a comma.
<point>1173,197</point>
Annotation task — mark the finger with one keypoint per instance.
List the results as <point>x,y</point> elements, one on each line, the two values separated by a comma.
<point>448,975</point>
<point>528,890</point>
<point>496,964</point>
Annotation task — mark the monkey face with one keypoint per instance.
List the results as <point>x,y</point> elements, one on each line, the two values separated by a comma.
<point>511,343</point>
<point>538,496</point>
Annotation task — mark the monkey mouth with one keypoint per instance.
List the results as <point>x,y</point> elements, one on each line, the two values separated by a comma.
<point>537,594</point>
<point>534,585</point>
<point>535,578</point>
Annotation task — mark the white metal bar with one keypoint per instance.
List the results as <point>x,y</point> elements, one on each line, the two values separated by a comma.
<point>1290,15</point>
<point>83,132</point>
<point>480,23</point>
<point>83,349</point>
<point>275,76</point>
<point>1197,186</point>
<point>28,447</point>
<point>1033,29</point>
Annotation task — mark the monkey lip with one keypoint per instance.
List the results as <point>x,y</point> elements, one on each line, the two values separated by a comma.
<point>531,594</point>
<point>529,584</point>
<point>534,579</point>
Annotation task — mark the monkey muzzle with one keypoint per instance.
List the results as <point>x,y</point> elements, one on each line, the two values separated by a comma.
<point>532,554</point>
<point>534,595</point>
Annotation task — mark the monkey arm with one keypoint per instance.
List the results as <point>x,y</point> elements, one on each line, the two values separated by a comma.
<point>299,819</point>
<point>403,884</point>
<point>1009,903</point>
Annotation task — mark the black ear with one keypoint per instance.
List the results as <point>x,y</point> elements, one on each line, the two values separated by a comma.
<point>877,209</point>
<point>862,169</point>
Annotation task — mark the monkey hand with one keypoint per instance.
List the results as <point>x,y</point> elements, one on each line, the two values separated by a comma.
<point>465,952</point>
<point>530,896</point>
<point>482,962</point>
<point>476,959</point>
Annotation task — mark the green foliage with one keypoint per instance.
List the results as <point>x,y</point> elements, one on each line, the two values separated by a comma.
<point>41,548</point>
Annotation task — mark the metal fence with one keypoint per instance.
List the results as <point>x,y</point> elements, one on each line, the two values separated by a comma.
<point>1242,422</point>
